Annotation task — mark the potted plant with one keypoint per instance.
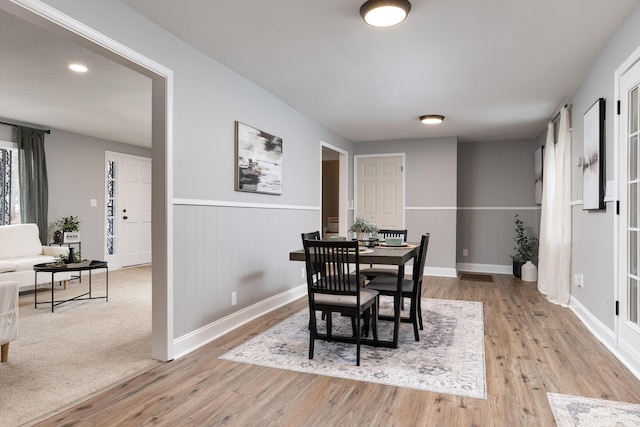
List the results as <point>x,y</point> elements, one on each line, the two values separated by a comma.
<point>364,228</point>
<point>526,247</point>
<point>68,226</point>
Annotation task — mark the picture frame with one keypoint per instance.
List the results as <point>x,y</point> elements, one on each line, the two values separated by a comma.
<point>538,167</point>
<point>593,162</point>
<point>258,160</point>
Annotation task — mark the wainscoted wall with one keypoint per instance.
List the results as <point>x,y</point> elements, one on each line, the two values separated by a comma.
<point>487,234</point>
<point>440,223</point>
<point>223,249</point>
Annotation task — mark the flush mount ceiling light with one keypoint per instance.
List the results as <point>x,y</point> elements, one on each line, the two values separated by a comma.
<point>78,68</point>
<point>432,119</point>
<point>384,13</point>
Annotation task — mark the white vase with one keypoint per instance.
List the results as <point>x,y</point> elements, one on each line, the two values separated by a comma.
<point>529,272</point>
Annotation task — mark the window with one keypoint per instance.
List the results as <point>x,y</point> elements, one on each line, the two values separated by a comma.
<point>9,184</point>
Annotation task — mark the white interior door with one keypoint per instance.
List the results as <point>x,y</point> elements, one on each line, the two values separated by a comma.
<point>628,327</point>
<point>380,190</point>
<point>134,211</point>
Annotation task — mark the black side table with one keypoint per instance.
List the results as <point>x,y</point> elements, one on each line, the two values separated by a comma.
<point>50,268</point>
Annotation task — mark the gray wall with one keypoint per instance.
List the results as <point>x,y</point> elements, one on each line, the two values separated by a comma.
<point>76,174</point>
<point>495,182</point>
<point>431,186</point>
<point>593,231</point>
<point>224,241</point>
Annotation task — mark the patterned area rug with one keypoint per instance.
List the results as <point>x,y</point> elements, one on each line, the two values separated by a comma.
<point>449,358</point>
<point>573,411</point>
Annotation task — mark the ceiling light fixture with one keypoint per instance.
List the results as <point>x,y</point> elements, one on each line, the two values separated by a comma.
<point>432,119</point>
<point>384,13</point>
<point>78,68</point>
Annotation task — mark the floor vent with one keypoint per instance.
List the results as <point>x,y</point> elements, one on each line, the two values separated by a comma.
<point>471,277</point>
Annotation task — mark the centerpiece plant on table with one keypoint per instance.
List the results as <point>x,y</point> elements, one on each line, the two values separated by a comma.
<point>366,229</point>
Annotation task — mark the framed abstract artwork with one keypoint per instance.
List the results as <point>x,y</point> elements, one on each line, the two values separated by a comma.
<point>258,161</point>
<point>538,159</point>
<point>593,185</point>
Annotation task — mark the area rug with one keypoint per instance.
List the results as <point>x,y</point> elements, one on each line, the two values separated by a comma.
<point>449,358</point>
<point>574,411</point>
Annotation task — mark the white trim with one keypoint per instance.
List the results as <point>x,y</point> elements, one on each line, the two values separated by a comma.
<point>204,335</point>
<point>232,204</point>
<point>629,357</point>
<point>431,208</point>
<point>576,202</point>
<point>499,208</point>
<point>485,268</point>
<point>440,272</point>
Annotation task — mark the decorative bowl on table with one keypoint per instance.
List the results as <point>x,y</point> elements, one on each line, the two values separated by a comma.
<point>393,241</point>
<point>369,243</point>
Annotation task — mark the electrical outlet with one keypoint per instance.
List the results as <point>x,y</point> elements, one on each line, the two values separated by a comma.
<point>578,280</point>
<point>302,275</point>
<point>233,298</point>
<point>465,252</point>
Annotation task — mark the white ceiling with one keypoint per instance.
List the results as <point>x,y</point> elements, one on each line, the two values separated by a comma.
<point>497,69</point>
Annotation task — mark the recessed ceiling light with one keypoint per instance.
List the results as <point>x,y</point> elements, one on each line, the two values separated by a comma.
<point>384,13</point>
<point>432,119</point>
<point>78,68</point>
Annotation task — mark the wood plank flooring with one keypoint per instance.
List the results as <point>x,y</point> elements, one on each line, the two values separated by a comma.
<point>532,347</point>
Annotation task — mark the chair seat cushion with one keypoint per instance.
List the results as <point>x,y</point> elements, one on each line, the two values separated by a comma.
<point>373,272</point>
<point>389,284</point>
<point>366,295</point>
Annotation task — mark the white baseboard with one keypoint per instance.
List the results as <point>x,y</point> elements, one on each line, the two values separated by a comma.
<point>193,340</point>
<point>440,272</point>
<point>485,268</point>
<point>628,356</point>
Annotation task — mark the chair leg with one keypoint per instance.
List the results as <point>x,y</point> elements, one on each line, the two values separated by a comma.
<point>4,353</point>
<point>414,318</point>
<point>420,308</point>
<point>374,319</point>
<point>312,333</point>
<point>358,339</point>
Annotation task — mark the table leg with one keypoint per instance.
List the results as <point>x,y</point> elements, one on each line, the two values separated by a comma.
<point>35,289</point>
<point>52,288</point>
<point>397,299</point>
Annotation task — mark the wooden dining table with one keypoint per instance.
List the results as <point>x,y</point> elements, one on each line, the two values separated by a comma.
<point>398,256</point>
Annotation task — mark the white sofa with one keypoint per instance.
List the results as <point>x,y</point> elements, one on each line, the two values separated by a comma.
<point>8,317</point>
<point>20,250</point>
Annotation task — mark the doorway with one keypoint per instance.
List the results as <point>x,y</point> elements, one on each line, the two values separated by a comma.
<point>380,189</point>
<point>628,275</point>
<point>162,110</point>
<point>334,181</point>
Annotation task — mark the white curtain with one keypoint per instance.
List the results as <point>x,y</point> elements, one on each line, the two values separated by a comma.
<point>554,257</point>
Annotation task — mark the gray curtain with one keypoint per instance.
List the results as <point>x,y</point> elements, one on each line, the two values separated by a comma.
<point>34,187</point>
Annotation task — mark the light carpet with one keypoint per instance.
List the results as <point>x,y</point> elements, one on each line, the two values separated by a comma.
<point>449,358</point>
<point>574,411</point>
<point>81,348</point>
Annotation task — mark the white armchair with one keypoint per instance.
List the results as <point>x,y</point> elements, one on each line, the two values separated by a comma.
<point>8,317</point>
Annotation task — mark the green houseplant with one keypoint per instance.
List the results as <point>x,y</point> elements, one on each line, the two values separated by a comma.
<point>363,227</point>
<point>526,248</point>
<point>65,224</point>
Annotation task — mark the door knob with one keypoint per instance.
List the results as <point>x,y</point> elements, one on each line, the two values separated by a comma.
<point>125,217</point>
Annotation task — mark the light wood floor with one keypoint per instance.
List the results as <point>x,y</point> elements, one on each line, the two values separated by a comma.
<point>532,347</point>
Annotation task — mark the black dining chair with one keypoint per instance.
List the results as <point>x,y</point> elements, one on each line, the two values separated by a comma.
<point>339,290</point>
<point>411,288</point>
<point>372,271</point>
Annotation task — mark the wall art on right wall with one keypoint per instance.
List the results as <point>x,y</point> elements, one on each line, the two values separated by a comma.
<point>593,157</point>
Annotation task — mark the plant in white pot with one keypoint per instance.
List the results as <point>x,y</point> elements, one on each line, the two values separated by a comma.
<point>69,226</point>
<point>526,248</point>
<point>365,229</point>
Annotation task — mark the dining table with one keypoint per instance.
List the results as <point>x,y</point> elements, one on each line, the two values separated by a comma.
<point>385,255</point>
